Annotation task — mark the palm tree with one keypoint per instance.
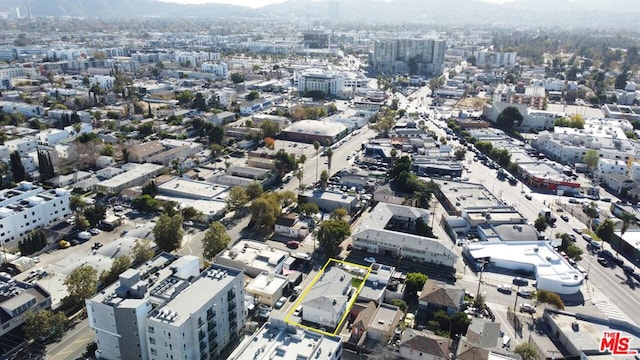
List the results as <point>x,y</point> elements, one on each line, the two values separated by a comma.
<point>316,146</point>
<point>300,176</point>
<point>628,219</point>
<point>329,156</point>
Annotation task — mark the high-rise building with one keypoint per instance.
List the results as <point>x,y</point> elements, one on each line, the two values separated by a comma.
<point>168,309</point>
<point>409,56</point>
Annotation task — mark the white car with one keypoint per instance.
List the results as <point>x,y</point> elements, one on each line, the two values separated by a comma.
<point>280,302</point>
<point>370,259</point>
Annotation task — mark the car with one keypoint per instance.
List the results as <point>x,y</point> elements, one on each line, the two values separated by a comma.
<point>94,231</point>
<point>577,230</point>
<point>297,311</point>
<point>564,217</point>
<point>573,237</point>
<point>525,293</point>
<point>528,196</point>
<point>527,308</point>
<point>594,246</point>
<point>616,260</point>
<point>602,261</point>
<point>118,208</point>
<point>280,303</point>
<point>293,244</point>
<point>587,237</point>
<point>188,223</point>
<point>628,269</point>
<point>606,199</point>
<point>518,281</point>
<point>370,259</point>
<point>409,320</point>
<point>573,201</point>
<point>75,242</point>
<point>505,288</point>
<point>64,244</point>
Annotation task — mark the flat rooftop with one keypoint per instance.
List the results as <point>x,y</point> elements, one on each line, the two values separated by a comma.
<point>194,189</point>
<point>467,195</point>
<point>130,175</point>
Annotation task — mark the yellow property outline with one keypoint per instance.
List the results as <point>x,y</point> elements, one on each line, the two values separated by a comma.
<point>310,286</point>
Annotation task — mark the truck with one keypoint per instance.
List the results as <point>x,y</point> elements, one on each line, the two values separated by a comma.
<point>548,215</point>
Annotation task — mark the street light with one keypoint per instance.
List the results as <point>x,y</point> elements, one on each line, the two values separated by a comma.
<point>483,262</point>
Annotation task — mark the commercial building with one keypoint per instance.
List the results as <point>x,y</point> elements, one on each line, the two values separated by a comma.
<point>169,309</point>
<point>142,152</point>
<point>267,288</point>
<point>310,131</point>
<point>329,200</point>
<point>27,207</point>
<point>409,56</point>
<point>276,339</point>
<point>551,271</point>
<point>209,199</point>
<point>342,84</point>
<point>135,175</point>
<point>17,298</point>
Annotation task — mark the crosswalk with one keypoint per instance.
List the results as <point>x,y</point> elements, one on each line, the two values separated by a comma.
<point>610,310</point>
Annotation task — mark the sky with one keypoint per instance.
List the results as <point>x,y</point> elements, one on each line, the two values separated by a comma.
<point>261,3</point>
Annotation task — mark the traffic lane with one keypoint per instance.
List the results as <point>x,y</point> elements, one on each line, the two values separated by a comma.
<point>73,343</point>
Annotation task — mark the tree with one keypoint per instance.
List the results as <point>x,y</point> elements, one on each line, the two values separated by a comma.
<point>300,176</point>
<point>215,240</point>
<point>414,283</point>
<point>627,219</point>
<point>331,233</point>
<point>142,251</point>
<point>253,190</point>
<point>285,163</point>
<point>605,230</point>
<point>252,95</point>
<point>17,168</point>
<point>119,265</point>
<point>527,351</point>
<point>551,298</point>
<point>459,324</point>
<point>339,213</point>
<point>329,156</point>
<point>168,232</point>
<point>185,98</point>
<point>401,304</point>
<point>264,212</point>
<point>269,129</point>
<point>77,203</point>
<point>324,179</point>
<point>236,77</point>
<point>308,209</point>
<point>190,213</point>
<point>44,324</point>
<point>509,118</point>
<point>591,210</point>
<point>591,158</point>
<point>540,224</point>
<point>81,283</point>
<point>45,167</point>
<point>236,198</point>
<point>460,153</point>
<point>95,214</point>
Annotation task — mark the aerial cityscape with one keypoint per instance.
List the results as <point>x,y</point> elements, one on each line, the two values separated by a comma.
<point>319,179</point>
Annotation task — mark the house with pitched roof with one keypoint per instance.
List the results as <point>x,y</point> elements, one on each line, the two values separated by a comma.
<point>326,302</point>
<point>436,295</point>
<point>417,345</point>
<point>372,324</point>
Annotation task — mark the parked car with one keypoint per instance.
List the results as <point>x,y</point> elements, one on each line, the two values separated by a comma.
<point>527,308</point>
<point>525,293</point>
<point>603,261</point>
<point>518,281</point>
<point>594,246</point>
<point>94,231</point>
<point>349,247</point>
<point>564,217</point>
<point>628,269</point>
<point>370,259</point>
<point>577,230</point>
<point>573,237</point>
<point>528,196</point>
<point>587,237</point>
<point>606,199</point>
<point>297,311</point>
<point>293,244</point>
<point>505,288</point>
<point>118,208</point>
<point>280,303</point>
<point>64,244</point>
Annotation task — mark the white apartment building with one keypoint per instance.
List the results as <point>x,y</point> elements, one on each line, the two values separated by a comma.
<point>24,146</point>
<point>105,82</point>
<point>27,207</point>
<point>168,309</point>
<point>330,82</point>
<point>220,69</point>
<point>225,97</point>
<point>191,58</point>
<point>27,110</point>
<point>495,59</point>
<point>609,166</point>
<point>17,71</point>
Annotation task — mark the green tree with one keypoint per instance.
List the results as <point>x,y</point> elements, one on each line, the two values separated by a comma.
<point>252,95</point>
<point>527,351</point>
<point>95,214</point>
<point>254,190</point>
<point>551,298</point>
<point>168,232</point>
<point>269,129</point>
<point>215,240</point>
<point>509,119</point>
<point>119,265</point>
<point>190,213</point>
<point>236,198</point>
<point>605,230</point>
<point>81,284</point>
<point>264,212</point>
<point>591,158</point>
<point>324,179</point>
<point>17,168</point>
<point>185,98</point>
<point>300,177</point>
<point>43,325</point>
<point>460,153</point>
<point>331,234</point>
<point>459,324</point>
<point>414,283</point>
<point>540,224</point>
<point>308,209</point>
<point>236,77</point>
<point>329,157</point>
<point>591,210</point>
<point>142,251</point>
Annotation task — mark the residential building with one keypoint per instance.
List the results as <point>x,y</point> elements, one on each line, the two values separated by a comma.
<point>409,56</point>
<point>341,84</point>
<point>104,82</point>
<point>310,131</point>
<point>390,230</point>
<point>142,152</point>
<point>21,108</point>
<point>220,69</point>
<point>253,258</point>
<point>325,304</point>
<point>373,324</point>
<point>276,339</point>
<point>17,298</point>
<point>26,207</point>
<point>169,309</point>
<point>495,59</point>
<point>267,288</point>
<point>417,345</point>
<point>436,295</point>
<point>289,225</point>
<point>610,166</point>
<point>484,333</point>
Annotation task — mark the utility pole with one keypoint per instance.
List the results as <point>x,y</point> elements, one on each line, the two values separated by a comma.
<point>483,262</point>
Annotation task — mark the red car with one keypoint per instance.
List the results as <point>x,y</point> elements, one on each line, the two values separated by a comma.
<point>293,244</point>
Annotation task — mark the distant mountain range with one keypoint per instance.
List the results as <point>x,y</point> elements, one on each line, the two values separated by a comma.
<point>610,13</point>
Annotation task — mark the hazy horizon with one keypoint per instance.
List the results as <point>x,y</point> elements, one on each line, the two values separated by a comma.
<point>262,3</point>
